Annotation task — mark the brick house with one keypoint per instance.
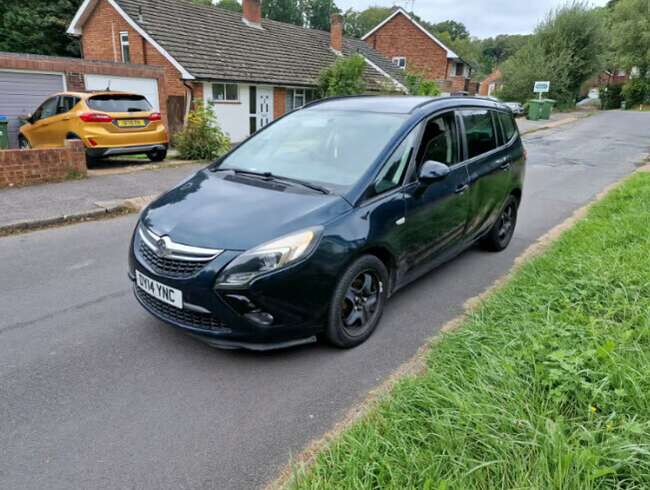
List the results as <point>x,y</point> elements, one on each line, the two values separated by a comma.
<point>251,70</point>
<point>412,47</point>
<point>491,84</point>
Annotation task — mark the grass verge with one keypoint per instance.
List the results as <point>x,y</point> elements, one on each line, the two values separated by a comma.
<point>546,385</point>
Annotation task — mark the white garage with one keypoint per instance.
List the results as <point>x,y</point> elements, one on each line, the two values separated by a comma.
<point>143,86</point>
<point>21,92</point>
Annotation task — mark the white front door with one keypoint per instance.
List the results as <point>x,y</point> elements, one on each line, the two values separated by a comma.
<point>264,106</point>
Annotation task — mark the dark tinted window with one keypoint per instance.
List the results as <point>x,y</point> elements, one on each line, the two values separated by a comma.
<point>48,109</point>
<point>439,141</point>
<point>392,174</point>
<point>479,132</point>
<point>119,103</point>
<point>508,126</point>
<point>66,103</point>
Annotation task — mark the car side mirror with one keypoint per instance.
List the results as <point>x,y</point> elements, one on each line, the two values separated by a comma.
<point>432,171</point>
<point>26,118</point>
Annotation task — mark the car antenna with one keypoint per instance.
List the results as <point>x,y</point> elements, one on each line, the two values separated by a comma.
<point>108,87</point>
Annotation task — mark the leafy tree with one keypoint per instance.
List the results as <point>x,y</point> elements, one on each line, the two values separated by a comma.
<point>631,35</point>
<point>456,30</point>
<point>344,77</point>
<point>233,5</point>
<point>494,51</point>
<point>289,11</point>
<point>38,27</point>
<point>357,24</point>
<point>318,12</point>
<point>567,49</point>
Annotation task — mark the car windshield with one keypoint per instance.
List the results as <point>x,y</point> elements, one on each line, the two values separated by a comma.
<point>119,103</point>
<point>320,146</point>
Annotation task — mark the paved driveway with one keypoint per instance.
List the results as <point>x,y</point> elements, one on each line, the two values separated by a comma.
<point>94,393</point>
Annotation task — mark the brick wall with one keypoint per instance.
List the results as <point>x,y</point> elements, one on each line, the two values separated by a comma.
<point>279,101</point>
<point>101,41</point>
<point>26,167</point>
<point>75,69</point>
<point>400,37</point>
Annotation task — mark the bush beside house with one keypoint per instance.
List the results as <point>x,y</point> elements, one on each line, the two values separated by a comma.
<point>202,137</point>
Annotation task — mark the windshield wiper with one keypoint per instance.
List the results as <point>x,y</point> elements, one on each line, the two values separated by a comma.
<point>278,178</point>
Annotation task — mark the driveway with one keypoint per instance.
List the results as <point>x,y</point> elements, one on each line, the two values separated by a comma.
<point>94,393</point>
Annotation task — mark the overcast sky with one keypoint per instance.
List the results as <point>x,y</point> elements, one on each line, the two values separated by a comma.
<point>483,18</point>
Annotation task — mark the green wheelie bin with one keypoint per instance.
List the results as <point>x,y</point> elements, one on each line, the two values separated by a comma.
<point>534,109</point>
<point>4,132</point>
<point>547,108</point>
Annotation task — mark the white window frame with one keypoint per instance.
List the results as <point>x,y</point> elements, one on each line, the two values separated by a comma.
<point>400,62</point>
<point>124,43</point>
<point>225,92</point>
<point>298,93</point>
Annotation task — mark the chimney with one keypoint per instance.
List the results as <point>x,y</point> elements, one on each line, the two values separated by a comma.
<point>252,10</point>
<point>336,33</point>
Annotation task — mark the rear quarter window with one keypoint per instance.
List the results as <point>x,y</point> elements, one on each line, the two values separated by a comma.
<point>479,132</point>
<point>119,103</point>
<point>508,125</point>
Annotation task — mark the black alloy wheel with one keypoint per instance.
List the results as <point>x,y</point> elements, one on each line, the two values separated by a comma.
<point>501,233</point>
<point>358,302</point>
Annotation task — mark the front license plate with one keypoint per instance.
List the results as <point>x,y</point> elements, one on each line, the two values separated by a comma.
<point>131,123</point>
<point>166,294</point>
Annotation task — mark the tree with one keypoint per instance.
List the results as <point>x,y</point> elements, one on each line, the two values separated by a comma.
<point>567,48</point>
<point>344,77</point>
<point>233,5</point>
<point>357,24</point>
<point>318,12</point>
<point>456,30</point>
<point>38,27</point>
<point>631,35</point>
<point>289,11</point>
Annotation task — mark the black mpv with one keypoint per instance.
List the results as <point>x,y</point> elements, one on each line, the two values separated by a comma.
<point>312,223</point>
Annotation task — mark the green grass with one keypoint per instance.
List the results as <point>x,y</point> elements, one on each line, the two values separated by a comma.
<point>546,385</point>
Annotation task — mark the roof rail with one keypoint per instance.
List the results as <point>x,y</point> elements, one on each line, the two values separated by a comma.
<point>335,97</point>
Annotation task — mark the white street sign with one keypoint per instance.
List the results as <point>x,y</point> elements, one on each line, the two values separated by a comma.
<point>542,87</point>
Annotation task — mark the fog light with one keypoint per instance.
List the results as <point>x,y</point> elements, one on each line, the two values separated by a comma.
<point>260,318</point>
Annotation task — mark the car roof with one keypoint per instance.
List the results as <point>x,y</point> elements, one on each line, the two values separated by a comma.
<point>400,104</point>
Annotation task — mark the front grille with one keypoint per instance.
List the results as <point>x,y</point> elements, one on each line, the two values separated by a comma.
<point>183,317</point>
<point>165,266</point>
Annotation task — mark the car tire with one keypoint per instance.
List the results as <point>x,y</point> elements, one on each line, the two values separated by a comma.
<point>23,143</point>
<point>357,303</point>
<point>157,155</point>
<point>500,235</point>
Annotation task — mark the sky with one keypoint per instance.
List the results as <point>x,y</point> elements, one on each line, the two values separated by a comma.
<point>481,17</point>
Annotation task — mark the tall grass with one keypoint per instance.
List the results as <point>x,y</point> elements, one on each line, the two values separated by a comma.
<point>546,385</point>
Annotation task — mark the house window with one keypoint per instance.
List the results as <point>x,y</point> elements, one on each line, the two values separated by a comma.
<point>621,73</point>
<point>400,62</point>
<point>460,69</point>
<point>298,97</point>
<point>226,92</point>
<point>124,46</point>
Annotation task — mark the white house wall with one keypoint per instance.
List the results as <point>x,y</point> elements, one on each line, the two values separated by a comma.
<point>233,117</point>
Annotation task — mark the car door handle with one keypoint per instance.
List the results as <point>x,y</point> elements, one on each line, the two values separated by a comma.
<point>461,188</point>
<point>505,165</point>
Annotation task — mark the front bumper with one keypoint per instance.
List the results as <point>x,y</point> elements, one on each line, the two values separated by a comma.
<point>296,299</point>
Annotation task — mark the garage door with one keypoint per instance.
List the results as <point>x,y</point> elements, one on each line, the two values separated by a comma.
<point>143,86</point>
<point>22,92</point>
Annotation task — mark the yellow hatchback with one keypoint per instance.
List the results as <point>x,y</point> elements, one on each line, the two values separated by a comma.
<point>108,124</point>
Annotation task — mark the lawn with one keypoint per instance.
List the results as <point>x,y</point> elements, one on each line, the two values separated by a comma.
<point>545,385</point>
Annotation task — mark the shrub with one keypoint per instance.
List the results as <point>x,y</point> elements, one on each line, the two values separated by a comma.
<point>344,77</point>
<point>201,138</point>
<point>418,85</point>
<point>636,92</point>
<point>611,97</point>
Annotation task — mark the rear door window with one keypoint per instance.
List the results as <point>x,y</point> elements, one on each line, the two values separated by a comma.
<point>479,132</point>
<point>66,103</point>
<point>119,103</point>
<point>508,126</point>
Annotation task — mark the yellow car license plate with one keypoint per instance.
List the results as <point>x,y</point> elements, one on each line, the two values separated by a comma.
<point>131,123</point>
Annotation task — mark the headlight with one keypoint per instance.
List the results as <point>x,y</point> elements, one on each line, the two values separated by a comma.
<point>268,257</point>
